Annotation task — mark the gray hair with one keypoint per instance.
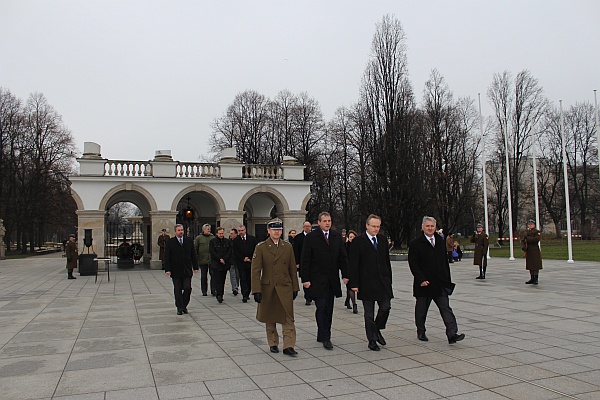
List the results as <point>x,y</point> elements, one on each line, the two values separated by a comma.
<point>177,225</point>
<point>427,218</point>
<point>241,226</point>
<point>205,225</point>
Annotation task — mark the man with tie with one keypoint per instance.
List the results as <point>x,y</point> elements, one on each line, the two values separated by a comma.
<point>429,265</point>
<point>323,257</point>
<point>275,287</point>
<point>243,249</point>
<point>371,278</point>
<point>180,260</point>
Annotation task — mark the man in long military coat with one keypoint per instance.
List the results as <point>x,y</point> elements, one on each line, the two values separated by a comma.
<point>370,273</point>
<point>72,256</point>
<point>275,287</point>
<point>482,242</point>
<point>533,255</point>
<point>162,242</point>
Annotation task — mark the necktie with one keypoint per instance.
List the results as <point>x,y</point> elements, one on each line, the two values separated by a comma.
<point>181,241</point>
<point>374,239</point>
<point>243,238</point>
<point>432,242</point>
<point>327,236</point>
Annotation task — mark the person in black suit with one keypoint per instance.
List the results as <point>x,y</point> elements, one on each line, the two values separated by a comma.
<point>180,260</point>
<point>243,249</point>
<point>298,245</point>
<point>220,257</point>
<point>323,256</point>
<point>428,263</point>
<point>371,279</point>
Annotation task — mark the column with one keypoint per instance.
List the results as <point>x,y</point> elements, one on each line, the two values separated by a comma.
<point>230,219</point>
<point>292,219</point>
<point>94,220</point>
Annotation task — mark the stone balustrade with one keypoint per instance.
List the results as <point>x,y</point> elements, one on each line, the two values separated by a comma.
<point>127,168</point>
<point>198,170</point>
<point>256,171</point>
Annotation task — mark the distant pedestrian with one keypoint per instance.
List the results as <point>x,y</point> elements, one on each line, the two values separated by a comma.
<point>350,294</point>
<point>482,242</point>
<point>275,287</point>
<point>181,263</point>
<point>449,247</point>
<point>72,256</point>
<point>201,246</point>
<point>533,255</point>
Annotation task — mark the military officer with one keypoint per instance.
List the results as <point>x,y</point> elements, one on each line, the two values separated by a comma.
<point>533,255</point>
<point>275,287</point>
<point>482,242</point>
<point>72,256</point>
<point>162,242</point>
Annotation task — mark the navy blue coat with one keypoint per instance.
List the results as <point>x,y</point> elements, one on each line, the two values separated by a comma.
<point>321,263</point>
<point>370,269</point>
<point>429,264</point>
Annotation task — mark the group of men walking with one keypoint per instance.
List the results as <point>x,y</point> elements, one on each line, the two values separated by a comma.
<point>268,270</point>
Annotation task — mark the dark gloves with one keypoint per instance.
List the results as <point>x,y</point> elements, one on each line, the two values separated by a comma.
<point>258,297</point>
<point>68,260</point>
<point>295,295</point>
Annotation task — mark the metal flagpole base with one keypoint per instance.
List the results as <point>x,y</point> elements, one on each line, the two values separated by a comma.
<point>511,259</point>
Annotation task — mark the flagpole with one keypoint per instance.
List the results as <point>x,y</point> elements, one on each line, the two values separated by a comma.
<point>485,202</point>
<point>510,221</point>
<point>566,178</point>
<point>535,188</point>
<point>597,132</point>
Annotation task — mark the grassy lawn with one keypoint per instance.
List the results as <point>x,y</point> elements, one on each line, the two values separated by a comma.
<point>556,249</point>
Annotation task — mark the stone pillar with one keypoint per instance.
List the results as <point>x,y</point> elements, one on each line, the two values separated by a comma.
<point>292,219</point>
<point>94,220</point>
<point>2,247</point>
<point>160,220</point>
<point>230,219</point>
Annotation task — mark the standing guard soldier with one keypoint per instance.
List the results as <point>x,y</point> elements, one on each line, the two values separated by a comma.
<point>162,242</point>
<point>482,243</point>
<point>72,256</point>
<point>275,287</point>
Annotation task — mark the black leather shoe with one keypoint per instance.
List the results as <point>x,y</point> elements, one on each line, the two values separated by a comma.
<point>319,340</point>
<point>185,311</point>
<point>355,309</point>
<point>380,339</point>
<point>71,277</point>
<point>235,292</point>
<point>219,298</point>
<point>245,299</point>
<point>373,345</point>
<point>290,352</point>
<point>308,303</point>
<point>179,312</point>
<point>204,294</point>
<point>422,337</point>
<point>327,344</point>
<point>456,338</point>
<point>479,277</point>
<point>274,349</point>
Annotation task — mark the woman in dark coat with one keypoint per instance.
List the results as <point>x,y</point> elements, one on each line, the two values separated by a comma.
<point>533,255</point>
<point>350,294</point>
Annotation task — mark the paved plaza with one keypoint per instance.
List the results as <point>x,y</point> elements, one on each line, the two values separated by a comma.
<point>76,339</point>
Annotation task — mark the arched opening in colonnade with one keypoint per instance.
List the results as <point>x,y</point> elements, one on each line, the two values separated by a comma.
<point>260,207</point>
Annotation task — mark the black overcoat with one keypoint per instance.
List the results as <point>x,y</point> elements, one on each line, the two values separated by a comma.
<point>180,260</point>
<point>220,248</point>
<point>298,246</point>
<point>242,249</point>
<point>429,264</point>
<point>370,270</point>
<point>322,262</point>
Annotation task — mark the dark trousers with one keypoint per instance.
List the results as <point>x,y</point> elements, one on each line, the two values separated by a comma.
<point>182,288</point>
<point>483,265</point>
<point>324,316</point>
<point>306,291</point>
<point>245,281</point>
<point>373,324</point>
<point>219,278</point>
<point>443,303</point>
<point>204,278</point>
<point>211,273</point>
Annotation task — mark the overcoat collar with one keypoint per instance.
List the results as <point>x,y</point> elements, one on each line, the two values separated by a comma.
<point>276,250</point>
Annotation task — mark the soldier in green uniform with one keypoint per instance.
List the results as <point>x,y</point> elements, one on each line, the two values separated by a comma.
<point>162,242</point>
<point>275,287</point>
<point>533,255</point>
<point>72,256</point>
<point>482,242</point>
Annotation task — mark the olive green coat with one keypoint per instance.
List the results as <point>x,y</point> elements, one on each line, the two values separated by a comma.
<point>201,246</point>
<point>72,254</point>
<point>481,247</point>
<point>162,242</point>
<point>533,255</point>
<point>273,274</point>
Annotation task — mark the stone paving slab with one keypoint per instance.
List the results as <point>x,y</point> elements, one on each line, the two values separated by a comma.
<point>118,340</point>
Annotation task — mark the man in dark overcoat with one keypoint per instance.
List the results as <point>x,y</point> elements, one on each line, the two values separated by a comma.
<point>220,257</point>
<point>323,257</point>
<point>181,263</point>
<point>482,242</point>
<point>243,249</point>
<point>298,245</point>
<point>371,278</point>
<point>72,255</point>
<point>275,287</point>
<point>429,265</point>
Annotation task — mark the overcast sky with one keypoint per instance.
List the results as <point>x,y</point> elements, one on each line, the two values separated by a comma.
<point>147,75</point>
